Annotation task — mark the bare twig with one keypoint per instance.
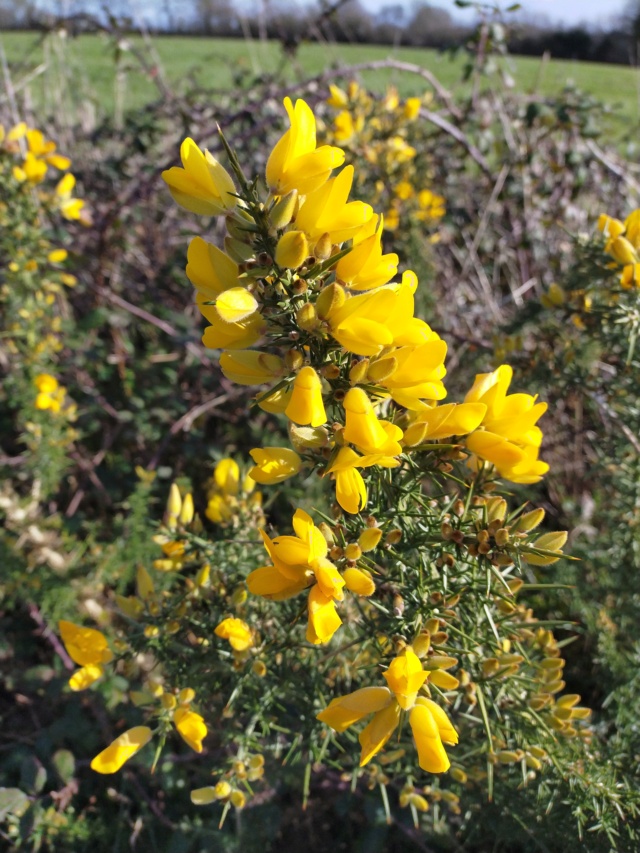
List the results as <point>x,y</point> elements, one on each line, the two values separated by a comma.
<point>47,634</point>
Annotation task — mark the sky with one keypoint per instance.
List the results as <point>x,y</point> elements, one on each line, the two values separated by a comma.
<point>567,12</point>
<point>592,12</point>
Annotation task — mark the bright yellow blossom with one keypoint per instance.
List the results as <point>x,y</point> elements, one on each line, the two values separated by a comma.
<point>508,436</point>
<point>298,562</point>
<point>295,163</point>
<point>209,269</point>
<point>89,649</point>
<point>202,185</point>
<point>237,632</point>
<point>274,464</point>
<point>365,267</point>
<point>124,747</point>
<point>326,211</point>
<point>251,367</point>
<point>429,723</point>
<point>364,430</point>
<point>190,726</point>
<point>305,405</point>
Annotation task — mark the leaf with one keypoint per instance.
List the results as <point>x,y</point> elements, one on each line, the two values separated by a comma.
<point>12,801</point>
<point>65,765</point>
<point>32,774</point>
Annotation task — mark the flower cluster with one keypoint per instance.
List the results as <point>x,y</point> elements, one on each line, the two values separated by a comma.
<point>359,379</point>
<point>377,134</point>
<point>37,155</point>
<point>417,567</point>
<point>623,244</point>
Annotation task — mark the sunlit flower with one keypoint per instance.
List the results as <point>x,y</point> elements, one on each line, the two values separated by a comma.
<point>295,163</point>
<point>202,185</point>
<point>89,649</point>
<point>430,725</point>
<point>124,747</point>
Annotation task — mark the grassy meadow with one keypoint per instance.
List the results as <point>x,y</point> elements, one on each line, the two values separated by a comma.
<point>88,73</point>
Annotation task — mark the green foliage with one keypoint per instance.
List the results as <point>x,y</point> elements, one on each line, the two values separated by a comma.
<point>81,506</point>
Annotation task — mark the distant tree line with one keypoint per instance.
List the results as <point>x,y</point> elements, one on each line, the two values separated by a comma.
<point>420,25</point>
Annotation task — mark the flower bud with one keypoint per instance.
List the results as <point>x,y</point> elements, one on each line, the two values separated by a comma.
<point>283,210</point>
<point>307,318</point>
<point>187,511</point>
<point>292,250</point>
<point>369,538</point>
<point>359,581</point>
<point>358,372</point>
<point>330,299</point>
<point>393,537</point>
<point>322,249</point>
<point>294,359</point>
<point>353,552</point>
<point>306,405</point>
<point>174,503</point>
<point>382,368</point>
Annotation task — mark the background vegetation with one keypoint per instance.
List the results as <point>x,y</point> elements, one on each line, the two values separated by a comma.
<point>515,271</point>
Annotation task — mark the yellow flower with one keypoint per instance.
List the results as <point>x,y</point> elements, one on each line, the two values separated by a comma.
<point>124,747</point>
<point>235,305</point>
<point>305,405</point>
<point>222,334</point>
<point>45,383</point>
<point>250,367</point>
<point>338,97</point>
<point>508,437</point>
<point>227,476</point>
<point>298,561</point>
<point>429,723</point>
<point>411,108</point>
<point>209,269</point>
<point>237,632</point>
<point>191,727</point>
<point>367,323</point>
<point>343,126</point>
<point>431,727</point>
<point>89,649</point>
<point>274,464</point>
<point>365,431</point>
<point>70,207</point>
<point>323,617</point>
<point>445,421</point>
<point>365,267</point>
<point>292,250</point>
<point>405,677</point>
<point>326,211</point>
<point>412,374</point>
<point>351,491</point>
<point>431,205</point>
<point>295,163</point>
<point>202,185</point>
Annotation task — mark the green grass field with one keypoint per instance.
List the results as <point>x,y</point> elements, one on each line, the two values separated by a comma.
<point>80,74</point>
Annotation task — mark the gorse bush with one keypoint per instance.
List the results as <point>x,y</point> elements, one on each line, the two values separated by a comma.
<point>343,590</point>
<point>405,605</point>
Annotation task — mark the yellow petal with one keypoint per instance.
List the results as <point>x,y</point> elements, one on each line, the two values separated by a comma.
<point>85,677</point>
<point>124,747</point>
<point>431,753</point>
<point>374,736</point>
<point>236,304</point>
<point>343,711</point>
<point>191,727</point>
<point>85,646</point>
